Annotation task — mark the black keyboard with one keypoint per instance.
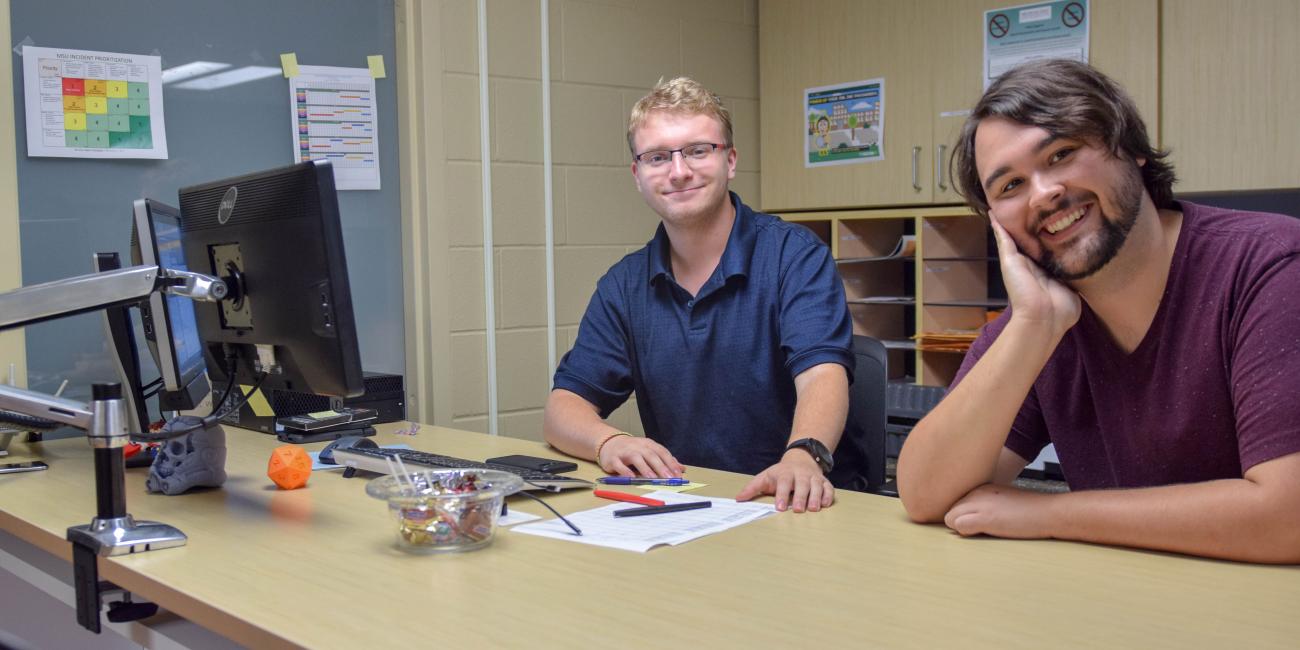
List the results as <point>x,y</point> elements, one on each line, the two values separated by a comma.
<point>911,401</point>
<point>376,460</point>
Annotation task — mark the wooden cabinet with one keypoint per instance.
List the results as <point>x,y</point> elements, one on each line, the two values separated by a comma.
<point>911,271</point>
<point>809,44</point>
<point>929,54</point>
<point>1230,83</point>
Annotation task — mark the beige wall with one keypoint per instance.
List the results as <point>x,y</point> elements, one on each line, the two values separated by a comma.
<point>605,54</point>
<point>12,348</point>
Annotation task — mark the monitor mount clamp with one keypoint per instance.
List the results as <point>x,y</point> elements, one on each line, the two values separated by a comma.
<point>113,531</point>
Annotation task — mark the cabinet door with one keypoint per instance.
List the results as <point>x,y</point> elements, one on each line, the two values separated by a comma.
<point>1231,88</point>
<point>1123,45</point>
<point>1125,39</point>
<point>825,42</point>
<point>956,50</point>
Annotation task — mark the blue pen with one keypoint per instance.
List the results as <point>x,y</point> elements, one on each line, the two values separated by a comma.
<point>627,480</point>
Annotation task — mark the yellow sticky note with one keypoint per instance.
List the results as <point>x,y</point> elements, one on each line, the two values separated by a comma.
<point>376,63</point>
<point>289,63</point>
<point>323,414</point>
<point>257,402</point>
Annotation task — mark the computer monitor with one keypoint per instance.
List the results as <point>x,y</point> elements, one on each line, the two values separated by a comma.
<point>120,329</point>
<point>275,238</point>
<point>168,320</point>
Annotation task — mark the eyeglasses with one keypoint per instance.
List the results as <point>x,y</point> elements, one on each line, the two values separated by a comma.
<point>690,153</point>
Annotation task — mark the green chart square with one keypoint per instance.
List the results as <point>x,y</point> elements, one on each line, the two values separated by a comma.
<point>118,106</point>
<point>139,137</point>
<point>97,139</point>
<point>96,122</point>
<point>138,106</point>
<point>137,90</point>
<point>119,124</point>
<point>74,138</point>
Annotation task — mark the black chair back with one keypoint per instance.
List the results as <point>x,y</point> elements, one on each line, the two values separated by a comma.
<point>860,456</point>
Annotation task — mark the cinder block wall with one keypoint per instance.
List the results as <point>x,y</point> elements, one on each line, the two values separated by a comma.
<point>605,54</point>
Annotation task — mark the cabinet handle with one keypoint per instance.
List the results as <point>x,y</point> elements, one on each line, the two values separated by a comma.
<point>938,168</point>
<point>916,161</point>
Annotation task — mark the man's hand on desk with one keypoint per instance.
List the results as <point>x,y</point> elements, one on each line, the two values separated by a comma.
<point>1001,511</point>
<point>633,456</point>
<point>796,481</point>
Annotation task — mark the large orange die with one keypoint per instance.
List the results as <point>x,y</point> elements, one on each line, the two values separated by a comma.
<point>290,467</point>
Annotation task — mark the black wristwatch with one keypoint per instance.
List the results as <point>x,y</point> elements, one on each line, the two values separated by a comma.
<point>818,451</point>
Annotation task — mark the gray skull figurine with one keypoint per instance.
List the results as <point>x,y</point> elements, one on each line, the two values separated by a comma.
<point>196,459</point>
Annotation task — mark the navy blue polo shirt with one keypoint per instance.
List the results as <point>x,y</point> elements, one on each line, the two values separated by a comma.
<point>714,373</point>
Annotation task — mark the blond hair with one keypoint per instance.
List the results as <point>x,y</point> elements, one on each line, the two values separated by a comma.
<point>683,96</point>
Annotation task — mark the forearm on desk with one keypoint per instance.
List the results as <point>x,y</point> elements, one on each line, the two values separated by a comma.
<point>957,446</point>
<point>573,425</point>
<point>1249,519</point>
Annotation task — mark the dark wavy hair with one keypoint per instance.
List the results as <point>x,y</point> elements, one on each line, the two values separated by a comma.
<point>1071,100</point>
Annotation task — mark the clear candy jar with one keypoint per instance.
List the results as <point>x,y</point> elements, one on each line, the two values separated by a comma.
<point>445,510</point>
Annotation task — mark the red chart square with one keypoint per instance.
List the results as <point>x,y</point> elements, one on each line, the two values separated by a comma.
<point>74,86</point>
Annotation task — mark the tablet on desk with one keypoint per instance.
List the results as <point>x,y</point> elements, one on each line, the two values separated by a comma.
<point>534,463</point>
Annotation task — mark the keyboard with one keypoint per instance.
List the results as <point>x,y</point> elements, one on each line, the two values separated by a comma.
<point>911,401</point>
<point>376,460</point>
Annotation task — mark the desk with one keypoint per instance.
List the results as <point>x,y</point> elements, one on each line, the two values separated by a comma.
<point>260,569</point>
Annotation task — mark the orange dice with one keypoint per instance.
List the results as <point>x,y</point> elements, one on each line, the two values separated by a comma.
<point>290,467</point>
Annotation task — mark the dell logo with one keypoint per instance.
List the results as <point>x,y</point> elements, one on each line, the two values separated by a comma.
<point>227,204</point>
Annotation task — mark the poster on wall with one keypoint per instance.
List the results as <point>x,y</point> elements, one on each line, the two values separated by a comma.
<point>1044,30</point>
<point>84,104</point>
<point>844,123</point>
<point>334,117</point>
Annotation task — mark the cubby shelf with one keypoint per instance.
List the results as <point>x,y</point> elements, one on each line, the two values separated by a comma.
<point>908,271</point>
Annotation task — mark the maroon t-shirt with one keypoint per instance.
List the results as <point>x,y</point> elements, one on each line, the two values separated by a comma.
<point>1212,390</point>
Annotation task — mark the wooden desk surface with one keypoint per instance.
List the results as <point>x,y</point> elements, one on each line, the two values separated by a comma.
<point>317,567</point>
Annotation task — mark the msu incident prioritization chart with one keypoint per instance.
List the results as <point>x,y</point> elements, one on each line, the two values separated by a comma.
<point>85,104</point>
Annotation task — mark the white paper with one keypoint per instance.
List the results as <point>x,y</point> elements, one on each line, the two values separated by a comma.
<point>601,528</point>
<point>334,116</point>
<point>1043,30</point>
<point>84,104</point>
<point>513,517</point>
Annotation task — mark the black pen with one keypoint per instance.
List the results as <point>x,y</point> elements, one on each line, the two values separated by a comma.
<point>655,510</point>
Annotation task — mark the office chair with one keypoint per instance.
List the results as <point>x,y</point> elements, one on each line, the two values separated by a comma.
<point>860,456</point>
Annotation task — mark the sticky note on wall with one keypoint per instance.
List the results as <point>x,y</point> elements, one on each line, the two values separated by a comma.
<point>289,64</point>
<point>376,63</point>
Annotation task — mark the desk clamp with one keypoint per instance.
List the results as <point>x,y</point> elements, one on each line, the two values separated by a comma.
<point>113,531</point>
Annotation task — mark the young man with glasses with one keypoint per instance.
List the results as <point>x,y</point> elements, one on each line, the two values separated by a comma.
<point>730,326</point>
<point>1155,342</point>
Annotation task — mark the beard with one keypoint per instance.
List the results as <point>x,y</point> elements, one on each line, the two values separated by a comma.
<point>1101,249</point>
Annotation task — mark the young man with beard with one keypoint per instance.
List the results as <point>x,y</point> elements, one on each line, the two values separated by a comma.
<point>1156,343</point>
<point>730,326</point>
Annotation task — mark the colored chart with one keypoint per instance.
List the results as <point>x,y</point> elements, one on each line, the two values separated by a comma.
<point>93,104</point>
<point>334,119</point>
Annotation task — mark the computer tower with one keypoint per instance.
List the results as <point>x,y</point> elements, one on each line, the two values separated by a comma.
<point>385,393</point>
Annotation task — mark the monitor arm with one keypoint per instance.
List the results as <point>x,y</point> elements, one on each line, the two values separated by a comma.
<point>50,300</point>
<point>113,531</point>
